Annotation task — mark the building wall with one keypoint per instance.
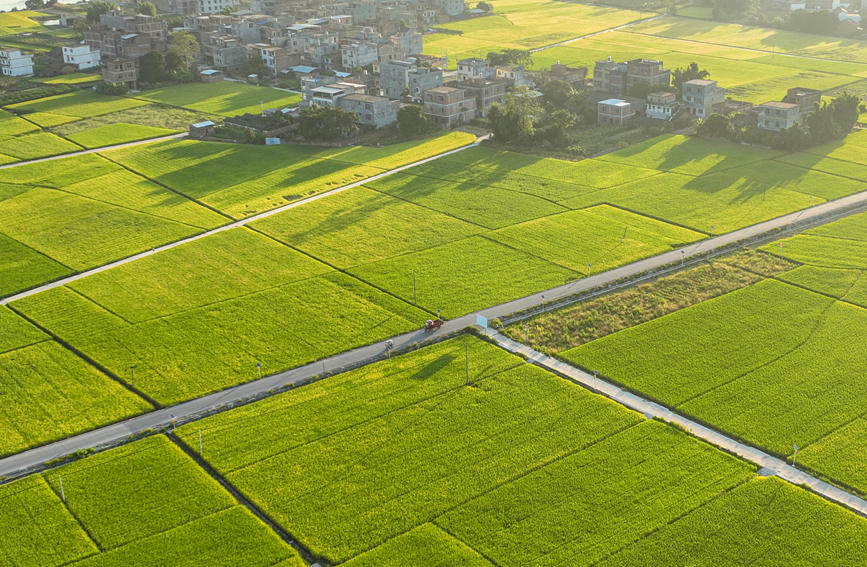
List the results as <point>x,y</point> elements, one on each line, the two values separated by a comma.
<point>14,63</point>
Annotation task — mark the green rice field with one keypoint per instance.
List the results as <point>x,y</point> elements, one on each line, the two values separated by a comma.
<point>84,213</point>
<point>241,299</point>
<point>519,24</point>
<point>420,460</point>
<point>793,382</point>
<point>224,98</point>
<point>146,499</point>
<point>242,180</point>
<point>49,393</point>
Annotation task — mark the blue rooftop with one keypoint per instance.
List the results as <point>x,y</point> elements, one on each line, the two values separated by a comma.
<point>303,69</point>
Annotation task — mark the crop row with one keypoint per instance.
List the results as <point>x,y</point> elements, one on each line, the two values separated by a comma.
<point>402,459</point>
<point>145,499</point>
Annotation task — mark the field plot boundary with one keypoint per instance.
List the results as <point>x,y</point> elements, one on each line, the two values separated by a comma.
<point>95,150</point>
<point>241,499</point>
<point>772,465</point>
<point>166,418</point>
<point>239,223</point>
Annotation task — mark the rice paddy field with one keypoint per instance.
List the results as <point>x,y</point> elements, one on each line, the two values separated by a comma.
<point>242,180</point>
<point>774,361</point>
<point>146,499</point>
<point>747,74</point>
<point>519,24</point>
<point>241,299</point>
<point>84,212</point>
<point>402,457</point>
<point>471,230</point>
<point>226,98</point>
<point>754,64</point>
<point>48,392</point>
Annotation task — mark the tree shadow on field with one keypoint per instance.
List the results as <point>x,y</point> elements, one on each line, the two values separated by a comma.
<point>434,367</point>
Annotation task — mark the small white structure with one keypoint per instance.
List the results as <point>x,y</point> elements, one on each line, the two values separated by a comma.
<point>82,56</point>
<point>614,111</point>
<point>15,63</point>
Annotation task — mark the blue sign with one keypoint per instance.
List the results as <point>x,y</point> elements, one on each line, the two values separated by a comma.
<point>481,322</point>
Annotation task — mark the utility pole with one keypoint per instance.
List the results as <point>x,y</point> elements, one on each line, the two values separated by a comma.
<point>62,494</point>
<point>781,251</point>
<point>259,369</point>
<point>682,257</point>
<point>200,442</point>
<point>467,353</point>
<point>413,288</point>
<point>132,372</point>
<point>795,456</point>
<point>527,331</point>
<point>622,240</point>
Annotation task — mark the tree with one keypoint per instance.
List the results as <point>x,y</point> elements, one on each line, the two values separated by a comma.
<point>846,111</point>
<point>510,57</point>
<point>146,8</point>
<point>152,67</point>
<point>323,123</point>
<point>512,121</point>
<point>557,92</point>
<point>182,51</point>
<point>484,6</point>
<point>411,120</point>
<point>794,139</point>
<point>716,126</point>
<point>96,9</point>
<point>822,22</point>
<point>689,73</point>
<point>734,9</point>
<point>34,4</point>
<point>254,66</point>
<point>554,128</point>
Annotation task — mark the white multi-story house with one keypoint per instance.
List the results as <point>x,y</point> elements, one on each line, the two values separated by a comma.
<point>82,56</point>
<point>475,68</point>
<point>15,63</point>
<point>358,54</point>
<point>214,6</point>
<point>661,105</point>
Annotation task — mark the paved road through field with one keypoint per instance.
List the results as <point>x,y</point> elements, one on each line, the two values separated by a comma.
<point>116,433</point>
<point>225,227</point>
<point>95,150</point>
<point>769,464</point>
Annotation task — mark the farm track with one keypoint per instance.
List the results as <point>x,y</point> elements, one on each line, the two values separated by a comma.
<point>594,34</point>
<point>596,284</point>
<point>95,150</point>
<point>769,464</point>
<point>219,229</point>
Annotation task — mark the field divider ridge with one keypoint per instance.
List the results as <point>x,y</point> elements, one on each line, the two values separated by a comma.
<point>239,496</point>
<point>49,455</point>
<point>655,410</point>
<point>235,224</point>
<point>95,150</point>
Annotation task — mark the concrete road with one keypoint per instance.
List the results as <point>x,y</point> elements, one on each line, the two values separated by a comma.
<point>230,226</point>
<point>194,409</point>
<point>95,150</point>
<point>769,464</point>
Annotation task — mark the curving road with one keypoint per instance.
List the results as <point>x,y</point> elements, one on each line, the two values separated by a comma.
<point>34,459</point>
